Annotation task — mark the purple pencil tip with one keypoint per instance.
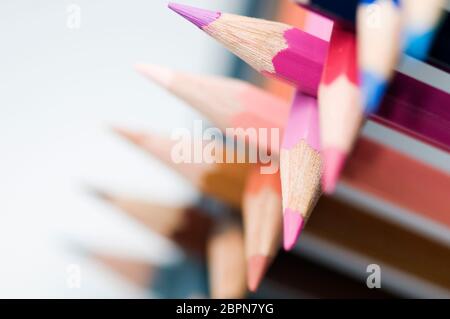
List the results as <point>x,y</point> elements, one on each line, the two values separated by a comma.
<point>200,17</point>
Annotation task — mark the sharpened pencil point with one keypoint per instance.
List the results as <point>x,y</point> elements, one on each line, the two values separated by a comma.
<point>373,88</point>
<point>94,191</point>
<point>200,17</point>
<point>293,223</point>
<point>256,269</point>
<point>418,44</point>
<point>156,73</point>
<point>134,137</point>
<point>334,161</point>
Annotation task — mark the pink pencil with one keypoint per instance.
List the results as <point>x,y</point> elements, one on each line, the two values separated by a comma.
<point>300,166</point>
<point>275,49</point>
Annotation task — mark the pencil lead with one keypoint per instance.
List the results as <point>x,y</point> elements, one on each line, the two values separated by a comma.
<point>373,88</point>
<point>134,137</point>
<point>418,44</point>
<point>293,223</point>
<point>200,17</point>
<point>256,269</point>
<point>158,74</point>
<point>334,161</point>
<point>96,192</point>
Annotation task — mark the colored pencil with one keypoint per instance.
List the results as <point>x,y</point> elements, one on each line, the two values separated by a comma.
<point>274,49</point>
<point>223,181</point>
<point>357,232</point>
<point>344,12</point>
<point>387,176</point>
<point>409,106</point>
<point>262,223</point>
<point>378,33</point>
<point>183,279</point>
<point>300,166</point>
<point>420,20</point>
<point>305,278</point>
<point>340,107</point>
<point>187,226</point>
<point>226,261</point>
<point>413,108</point>
<point>228,103</point>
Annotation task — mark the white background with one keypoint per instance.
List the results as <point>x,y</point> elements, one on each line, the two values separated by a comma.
<point>60,90</point>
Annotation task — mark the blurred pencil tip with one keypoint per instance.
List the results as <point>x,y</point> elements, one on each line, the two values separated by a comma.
<point>96,192</point>
<point>158,74</point>
<point>373,88</point>
<point>75,247</point>
<point>200,17</point>
<point>256,269</point>
<point>134,137</point>
<point>334,161</point>
<point>418,44</point>
<point>293,223</point>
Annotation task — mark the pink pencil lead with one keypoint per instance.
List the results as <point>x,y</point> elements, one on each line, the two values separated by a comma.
<point>200,17</point>
<point>293,224</point>
<point>334,161</point>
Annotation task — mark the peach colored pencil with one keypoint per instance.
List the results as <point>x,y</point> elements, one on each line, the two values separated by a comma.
<point>226,261</point>
<point>262,223</point>
<point>228,103</point>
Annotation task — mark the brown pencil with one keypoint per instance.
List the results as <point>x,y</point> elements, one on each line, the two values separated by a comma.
<point>187,226</point>
<point>226,261</point>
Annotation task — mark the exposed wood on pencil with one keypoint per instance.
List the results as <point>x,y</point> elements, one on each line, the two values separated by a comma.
<point>226,261</point>
<point>295,55</point>
<point>339,105</point>
<point>262,223</point>
<point>228,103</point>
<point>187,226</point>
<point>300,166</point>
<point>378,32</point>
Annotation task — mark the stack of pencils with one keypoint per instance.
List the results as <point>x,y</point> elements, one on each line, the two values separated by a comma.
<point>339,79</point>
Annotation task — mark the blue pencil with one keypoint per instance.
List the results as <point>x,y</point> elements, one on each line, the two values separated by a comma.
<point>378,31</point>
<point>421,19</point>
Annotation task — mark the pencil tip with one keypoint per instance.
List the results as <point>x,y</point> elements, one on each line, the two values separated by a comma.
<point>293,223</point>
<point>160,75</point>
<point>200,17</point>
<point>127,134</point>
<point>334,161</point>
<point>256,269</point>
<point>96,192</point>
<point>373,88</point>
<point>418,44</point>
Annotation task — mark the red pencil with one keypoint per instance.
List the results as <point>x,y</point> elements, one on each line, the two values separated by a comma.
<point>340,108</point>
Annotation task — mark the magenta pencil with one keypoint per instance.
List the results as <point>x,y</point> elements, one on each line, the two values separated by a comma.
<point>272,48</point>
<point>300,166</point>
